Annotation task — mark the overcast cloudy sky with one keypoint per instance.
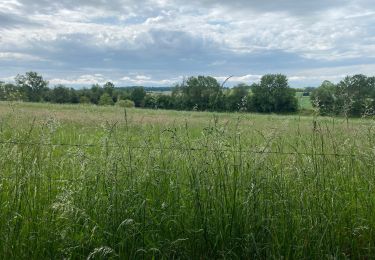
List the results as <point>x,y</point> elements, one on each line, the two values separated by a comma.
<point>158,42</point>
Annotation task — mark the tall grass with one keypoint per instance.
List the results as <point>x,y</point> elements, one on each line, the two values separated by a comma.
<point>239,187</point>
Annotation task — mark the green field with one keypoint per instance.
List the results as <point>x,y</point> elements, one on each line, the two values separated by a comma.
<point>81,181</point>
<point>304,101</point>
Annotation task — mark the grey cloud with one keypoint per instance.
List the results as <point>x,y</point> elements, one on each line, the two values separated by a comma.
<point>291,6</point>
<point>9,21</point>
<point>294,6</point>
<point>185,38</point>
<point>47,6</point>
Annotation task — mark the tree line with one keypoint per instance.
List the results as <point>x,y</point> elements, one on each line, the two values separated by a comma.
<point>353,96</point>
<point>201,93</point>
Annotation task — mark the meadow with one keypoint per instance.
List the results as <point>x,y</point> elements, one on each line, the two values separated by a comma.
<point>83,181</point>
<point>304,102</point>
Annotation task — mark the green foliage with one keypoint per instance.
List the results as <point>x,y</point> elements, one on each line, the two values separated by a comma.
<point>96,92</point>
<point>353,96</point>
<point>150,101</point>
<point>161,101</point>
<point>273,94</point>
<point>84,100</point>
<point>137,95</point>
<point>125,103</point>
<point>164,101</point>
<point>106,100</point>
<point>197,93</point>
<point>324,98</point>
<point>32,85</point>
<point>352,93</point>
<point>201,93</point>
<point>109,88</point>
<point>10,92</point>
<point>237,98</point>
<point>61,94</point>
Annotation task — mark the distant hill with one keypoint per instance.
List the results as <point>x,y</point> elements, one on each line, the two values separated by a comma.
<point>148,89</point>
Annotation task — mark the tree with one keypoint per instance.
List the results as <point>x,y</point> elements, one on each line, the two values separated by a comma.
<point>237,98</point>
<point>164,101</point>
<point>109,88</point>
<point>273,94</point>
<point>32,85</point>
<point>74,98</point>
<point>10,92</point>
<point>106,100</point>
<point>137,95</point>
<point>371,82</point>
<point>95,93</point>
<point>324,98</point>
<point>177,98</point>
<point>150,101</point>
<point>353,93</point>
<point>60,94</point>
<point>201,93</point>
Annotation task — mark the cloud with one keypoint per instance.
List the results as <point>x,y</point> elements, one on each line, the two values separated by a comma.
<point>12,56</point>
<point>143,80</point>
<point>162,40</point>
<point>87,80</point>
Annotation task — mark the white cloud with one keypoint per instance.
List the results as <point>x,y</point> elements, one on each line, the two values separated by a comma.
<point>334,74</point>
<point>171,38</point>
<point>90,79</point>
<point>10,5</point>
<point>249,78</point>
<point>11,56</point>
<point>86,79</point>
<point>323,38</point>
<point>148,81</point>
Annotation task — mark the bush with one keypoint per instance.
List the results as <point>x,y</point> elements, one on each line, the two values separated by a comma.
<point>125,103</point>
<point>106,100</point>
<point>84,100</point>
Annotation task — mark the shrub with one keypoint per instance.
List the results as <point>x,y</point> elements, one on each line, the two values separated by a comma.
<point>84,100</point>
<point>106,100</point>
<point>125,103</point>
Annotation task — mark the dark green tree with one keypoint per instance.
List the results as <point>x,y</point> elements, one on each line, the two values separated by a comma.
<point>150,101</point>
<point>273,94</point>
<point>164,101</point>
<point>353,93</point>
<point>237,98</point>
<point>137,95</point>
<point>324,97</point>
<point>32,85</point>
<point>201,93</point>
<point>61,94</point>
<point>109,88</point>
<point>95,92</point>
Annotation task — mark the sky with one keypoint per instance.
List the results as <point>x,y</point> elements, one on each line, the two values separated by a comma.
<point>160,42</point>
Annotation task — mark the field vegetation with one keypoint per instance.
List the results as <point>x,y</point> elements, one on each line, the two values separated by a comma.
<point>201,93</point>
<point>107,182</point>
